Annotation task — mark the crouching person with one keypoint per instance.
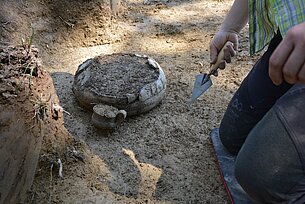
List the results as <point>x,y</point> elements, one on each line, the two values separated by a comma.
<point>264,124</point>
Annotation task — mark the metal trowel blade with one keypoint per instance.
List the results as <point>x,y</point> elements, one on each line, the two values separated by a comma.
<point>202,83</point>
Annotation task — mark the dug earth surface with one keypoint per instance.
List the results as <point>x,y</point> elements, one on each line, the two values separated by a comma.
<point>163,156</point>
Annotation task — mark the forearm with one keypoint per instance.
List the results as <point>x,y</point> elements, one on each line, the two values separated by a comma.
<point>237,17</point>
<point>234,21</point>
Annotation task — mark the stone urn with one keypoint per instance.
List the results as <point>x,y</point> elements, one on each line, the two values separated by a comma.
<point>128,82</point>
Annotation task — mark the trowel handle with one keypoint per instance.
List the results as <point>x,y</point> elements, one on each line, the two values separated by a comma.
<point>220,58</point>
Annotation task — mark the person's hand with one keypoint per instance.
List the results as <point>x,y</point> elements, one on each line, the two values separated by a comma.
<point>217,44</point>
<point>288,60</point>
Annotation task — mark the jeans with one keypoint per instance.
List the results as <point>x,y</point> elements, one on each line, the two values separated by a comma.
<point>254,98</point>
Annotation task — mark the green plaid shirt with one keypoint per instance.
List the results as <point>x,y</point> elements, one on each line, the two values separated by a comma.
<point>268,16</point>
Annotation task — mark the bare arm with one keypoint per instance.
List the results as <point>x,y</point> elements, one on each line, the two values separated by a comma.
<point>237,17</point>
<point>234,21</point>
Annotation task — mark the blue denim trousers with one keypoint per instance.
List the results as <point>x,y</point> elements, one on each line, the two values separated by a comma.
<point>264,125</point>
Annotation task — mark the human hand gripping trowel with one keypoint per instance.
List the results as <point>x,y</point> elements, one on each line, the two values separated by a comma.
<point>203,81</point>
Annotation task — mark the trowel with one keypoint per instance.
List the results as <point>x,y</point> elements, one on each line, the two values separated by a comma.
<point>203,81</point>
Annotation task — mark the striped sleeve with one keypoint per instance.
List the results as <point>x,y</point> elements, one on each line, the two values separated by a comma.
<point>267,16</point>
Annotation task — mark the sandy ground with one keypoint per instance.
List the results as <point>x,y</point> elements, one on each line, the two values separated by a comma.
<point>163,156</point>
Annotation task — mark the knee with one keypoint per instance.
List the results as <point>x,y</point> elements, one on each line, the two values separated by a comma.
<point>255,176</point>
<point>248,180</point>
<point>227,141</point>
<point>230,136</point>
<point>242,173</point>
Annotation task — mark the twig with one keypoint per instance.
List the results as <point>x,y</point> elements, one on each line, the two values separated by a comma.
<point>30,41</point>
<point>66,22</point>
<point>56,108</point>
<point>27,42</point>
<point>3,24</point>
<point>60,169</point>
<point>31,72</point>
<point>236,83</point>
<point>40,109</point>
<point>32,197</point>
<point>4,42</point>
<point>51,180</point>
